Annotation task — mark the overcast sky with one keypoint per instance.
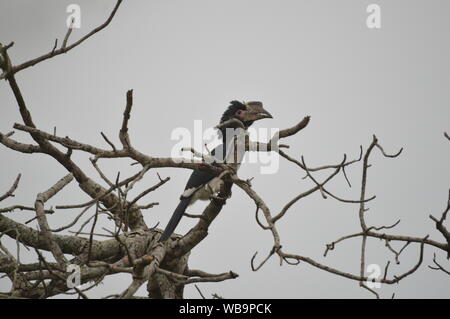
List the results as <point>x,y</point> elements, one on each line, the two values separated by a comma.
<point>186,60</point>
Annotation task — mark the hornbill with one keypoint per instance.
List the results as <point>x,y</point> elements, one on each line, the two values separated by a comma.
<point>203,185</point>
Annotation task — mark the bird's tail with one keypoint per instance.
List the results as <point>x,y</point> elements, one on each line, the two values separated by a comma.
<point>175,219</point>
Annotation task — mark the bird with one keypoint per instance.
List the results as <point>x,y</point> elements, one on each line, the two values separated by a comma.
<point>203,185</point>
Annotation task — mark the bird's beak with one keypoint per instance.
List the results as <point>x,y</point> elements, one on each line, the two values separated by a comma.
<point>257,112</point>
<point>264,115</point>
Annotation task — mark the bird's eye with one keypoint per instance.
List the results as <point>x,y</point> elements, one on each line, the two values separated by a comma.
<point>239,112</point>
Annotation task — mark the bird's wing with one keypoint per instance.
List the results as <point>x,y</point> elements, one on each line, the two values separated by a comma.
<point>198,179</point>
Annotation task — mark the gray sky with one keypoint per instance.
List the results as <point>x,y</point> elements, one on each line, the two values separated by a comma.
<point>186,60</point>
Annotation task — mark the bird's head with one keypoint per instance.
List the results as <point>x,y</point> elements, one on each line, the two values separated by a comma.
<point>247,113</point>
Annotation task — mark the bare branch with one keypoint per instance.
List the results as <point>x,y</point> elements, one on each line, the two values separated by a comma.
<point>64,48</point>
<point>438,266</point>
<point>197,276</point>
<point>108,141</point>
<point>124,138</point>
<point>295,129</point>
<point>42,220</point>
<point>10,192</point>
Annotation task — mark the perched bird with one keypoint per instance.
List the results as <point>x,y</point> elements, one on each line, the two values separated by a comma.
<point>203,185</point>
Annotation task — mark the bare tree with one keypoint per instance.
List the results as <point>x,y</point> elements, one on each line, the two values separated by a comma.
<point>131,245</point>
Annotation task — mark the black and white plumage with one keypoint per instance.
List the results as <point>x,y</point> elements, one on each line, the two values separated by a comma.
<point>203,185</point>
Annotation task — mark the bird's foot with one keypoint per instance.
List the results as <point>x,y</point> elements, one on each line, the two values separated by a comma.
<point>220,198</point>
